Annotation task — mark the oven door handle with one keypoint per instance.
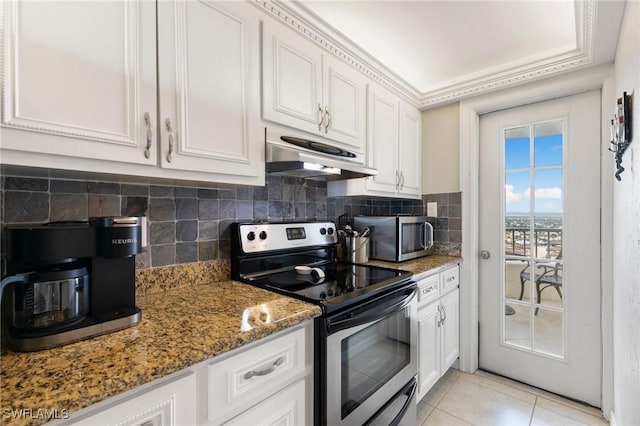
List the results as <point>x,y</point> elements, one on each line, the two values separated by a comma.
<point>409,392</point>
<point>399,303</point>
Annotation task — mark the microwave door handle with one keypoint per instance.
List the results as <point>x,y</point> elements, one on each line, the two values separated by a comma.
<point>333,327</point>
<point>423,236</point>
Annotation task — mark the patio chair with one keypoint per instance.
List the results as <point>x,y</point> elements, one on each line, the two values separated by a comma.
<point>549,277</point>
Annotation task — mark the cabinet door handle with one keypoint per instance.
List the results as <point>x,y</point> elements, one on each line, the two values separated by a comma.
<point>171,140</point>
<point>444,311</point>
<point>401,181</point>
<point>397,181</point>
<point>439,315</point>
<point>278,362</point>
<point>320,117</point>
<point>147,121</point>
<point>329,119</point>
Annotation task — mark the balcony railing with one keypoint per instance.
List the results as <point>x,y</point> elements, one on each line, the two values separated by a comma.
<point>548,242</point>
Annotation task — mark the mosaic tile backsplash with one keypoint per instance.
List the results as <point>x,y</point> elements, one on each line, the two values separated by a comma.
<point>189,224</point>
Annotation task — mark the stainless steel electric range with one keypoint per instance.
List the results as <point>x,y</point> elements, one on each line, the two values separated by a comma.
<point>366,339</point>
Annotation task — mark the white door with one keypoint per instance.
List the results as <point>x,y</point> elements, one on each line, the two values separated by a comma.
<point>291,79</point>
<point>209,87</point>
<point>410,151</point>
<point>539,288</point>
<point>345,103</point>
<point>83,72</point>
<point>382,149</point>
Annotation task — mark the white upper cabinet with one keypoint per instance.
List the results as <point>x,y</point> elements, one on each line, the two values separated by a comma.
<point>307,89</point>
<point>83,82</point>
<point>78,77</point>
<point>383,140</point>
<point>410,151</point>
<point>209,87</point>
<point>394,148</point>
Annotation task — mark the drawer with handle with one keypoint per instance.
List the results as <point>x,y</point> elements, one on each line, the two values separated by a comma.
<point>450,279</point>
<point>252,374</point>
<point>428,289</point>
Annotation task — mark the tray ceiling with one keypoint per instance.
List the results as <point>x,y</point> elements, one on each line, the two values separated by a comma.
<point>447,50</point>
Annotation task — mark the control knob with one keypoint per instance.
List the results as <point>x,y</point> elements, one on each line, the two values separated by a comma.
<point>251,236</point>
<point>323,230</point>
<point>263,235</point>
<point>330,231</point>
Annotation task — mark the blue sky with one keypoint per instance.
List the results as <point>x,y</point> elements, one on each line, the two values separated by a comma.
<point>547,182</point>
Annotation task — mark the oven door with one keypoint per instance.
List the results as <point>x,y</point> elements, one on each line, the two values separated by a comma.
<point>370,356</point>
<point>415,237</point>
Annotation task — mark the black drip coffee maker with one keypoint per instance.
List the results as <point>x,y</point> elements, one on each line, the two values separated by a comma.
<point>68,281</point>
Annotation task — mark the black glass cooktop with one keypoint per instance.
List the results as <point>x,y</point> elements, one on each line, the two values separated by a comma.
<point>334,285</point>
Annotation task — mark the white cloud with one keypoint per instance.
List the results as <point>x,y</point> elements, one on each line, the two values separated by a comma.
<point>513,197</point>
<point>549,193</point>
<point>541,193</point>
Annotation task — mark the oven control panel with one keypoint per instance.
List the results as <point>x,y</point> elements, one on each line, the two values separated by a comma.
<point>261,237</point>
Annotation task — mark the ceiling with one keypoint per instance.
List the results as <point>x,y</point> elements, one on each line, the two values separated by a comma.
<point>447,50</point>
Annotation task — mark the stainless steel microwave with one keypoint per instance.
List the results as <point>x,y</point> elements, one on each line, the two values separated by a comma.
<point>397,238</point>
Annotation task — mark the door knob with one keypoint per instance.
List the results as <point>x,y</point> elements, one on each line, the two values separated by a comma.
<point>485,254</point>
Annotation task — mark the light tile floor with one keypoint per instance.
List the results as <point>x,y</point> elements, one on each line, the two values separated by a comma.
<point>485,399</point>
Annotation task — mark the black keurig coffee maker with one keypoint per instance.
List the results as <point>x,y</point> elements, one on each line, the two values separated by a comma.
<point>67,281</point>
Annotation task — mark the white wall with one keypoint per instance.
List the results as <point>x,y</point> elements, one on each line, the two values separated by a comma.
<point>441,149</point>
<point>626,233</point>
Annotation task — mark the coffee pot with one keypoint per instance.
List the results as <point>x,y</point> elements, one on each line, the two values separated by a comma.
<point>69,281</point>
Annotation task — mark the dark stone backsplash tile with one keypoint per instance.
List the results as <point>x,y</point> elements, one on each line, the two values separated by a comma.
<point>103,188</point>
<point>162,209</point>
<point>135,190</point>
<point>25,207</point>
<point>186,208</point>
<point>103,205</point>
<point>163,233</point>
<point>68,186</point>
<point>188,224</point>
<point>161,191</point>
<point>208,230</point>
<point>187,230</point>
<point>68,207</point>
<point>134,206</point>
<point>227,209</point>
<point>26,184</point>
<point>186,252</point>
<point>163,255</point>
<point>207,250</point>
<point>182,192</point>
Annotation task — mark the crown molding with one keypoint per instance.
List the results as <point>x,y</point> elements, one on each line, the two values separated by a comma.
<point>300,19</point>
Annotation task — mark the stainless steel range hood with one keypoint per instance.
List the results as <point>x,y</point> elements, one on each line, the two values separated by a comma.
<point>288,154</point>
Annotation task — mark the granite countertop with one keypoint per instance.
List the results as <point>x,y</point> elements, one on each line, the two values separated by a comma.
<point>431,263</point>
<point>179,328</point>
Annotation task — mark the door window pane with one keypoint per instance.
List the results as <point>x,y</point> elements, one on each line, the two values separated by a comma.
<point>548,283</point>
<point>517,235</point>
<point>548,191</point>
<point>517,325</point>
<point>548,237</point>
<point>547,144</point>
<point>517,193</point>
<point>548,335</point>
<point>516,147</point>
<point>517,280</point>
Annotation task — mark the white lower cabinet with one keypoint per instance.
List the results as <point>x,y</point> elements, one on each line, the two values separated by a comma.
<point>251,377</point>
<point>268,382</point>
<point>438,327</point>
<point>169,404</point>
<point>287,407</point>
